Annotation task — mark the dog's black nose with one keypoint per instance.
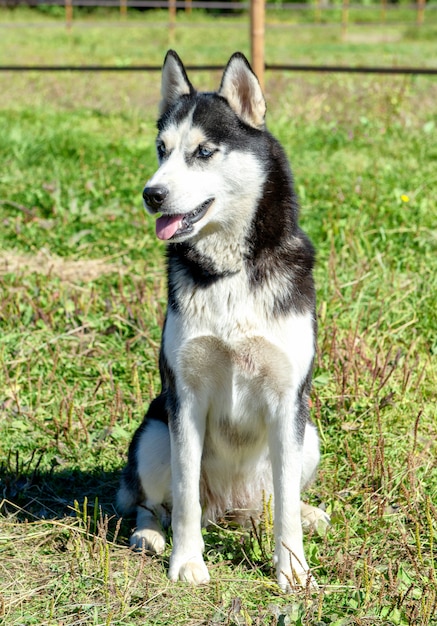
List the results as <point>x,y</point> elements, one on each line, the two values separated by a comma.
<point>154,197</point>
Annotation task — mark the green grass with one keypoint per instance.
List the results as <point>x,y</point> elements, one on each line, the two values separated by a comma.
<point>82,302</point>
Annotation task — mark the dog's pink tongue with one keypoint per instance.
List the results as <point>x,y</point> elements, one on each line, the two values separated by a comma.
<point>166,226</point>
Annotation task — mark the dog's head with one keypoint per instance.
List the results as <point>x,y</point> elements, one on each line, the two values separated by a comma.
<point>210,173</point>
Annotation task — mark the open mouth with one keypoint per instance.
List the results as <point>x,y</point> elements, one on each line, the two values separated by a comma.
<point>171,226</point>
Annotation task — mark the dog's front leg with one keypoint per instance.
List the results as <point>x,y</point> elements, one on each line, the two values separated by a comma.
<point>187,434</point>
<point>286,451</point>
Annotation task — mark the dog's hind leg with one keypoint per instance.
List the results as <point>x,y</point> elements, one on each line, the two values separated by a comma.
<point>149,534</point>
<point>152,455</point>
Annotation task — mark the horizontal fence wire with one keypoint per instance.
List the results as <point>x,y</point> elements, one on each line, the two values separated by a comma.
<point>284,67</point>
<point>216,4</point>
<point>122,24</point>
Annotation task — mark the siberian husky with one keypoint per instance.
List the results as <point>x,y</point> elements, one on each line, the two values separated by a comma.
<point>232,419</point>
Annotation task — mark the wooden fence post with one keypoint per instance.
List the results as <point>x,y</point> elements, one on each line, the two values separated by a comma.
<point>123,8</point>
<point>420,11</point>
<point>257,32</point>
<point>383,10</point>
<point>345,17</point>
<point>172,19</point>
<point>317,12</point>
<point>68,13</point>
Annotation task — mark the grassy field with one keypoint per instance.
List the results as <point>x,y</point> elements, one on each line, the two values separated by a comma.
<point>83,298</point>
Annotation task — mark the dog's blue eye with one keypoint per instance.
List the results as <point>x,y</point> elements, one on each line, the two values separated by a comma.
<point>161,150</point>
<point>204,153</point>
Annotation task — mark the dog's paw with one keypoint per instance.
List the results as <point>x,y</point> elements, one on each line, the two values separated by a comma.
<point>148,540</point>
<point>293,579</point>
<point>193,571</point>
<point>292,570</point>
<point>313,518</point>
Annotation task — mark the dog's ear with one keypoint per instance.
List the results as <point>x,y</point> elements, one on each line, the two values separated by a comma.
<point>174,82</point>
<point>243,92</point>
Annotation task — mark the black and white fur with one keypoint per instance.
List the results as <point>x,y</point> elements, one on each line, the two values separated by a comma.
<point>232,420</point>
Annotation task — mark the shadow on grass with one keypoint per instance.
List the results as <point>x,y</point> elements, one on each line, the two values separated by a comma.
<point>34,495</point>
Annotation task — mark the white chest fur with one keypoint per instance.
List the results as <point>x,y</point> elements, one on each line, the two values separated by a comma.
<point>223,346</point>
